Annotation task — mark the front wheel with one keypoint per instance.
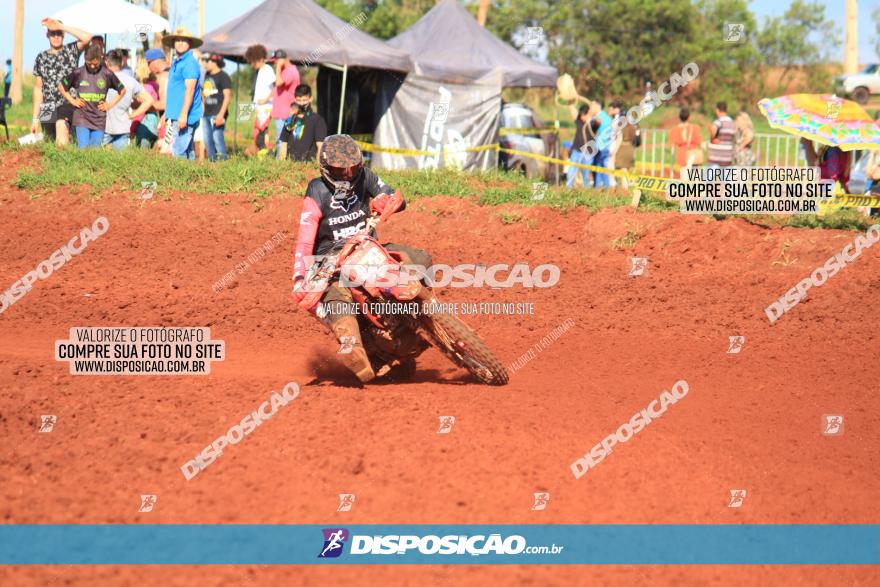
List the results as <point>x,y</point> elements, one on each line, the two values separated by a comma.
<point>464,347</point>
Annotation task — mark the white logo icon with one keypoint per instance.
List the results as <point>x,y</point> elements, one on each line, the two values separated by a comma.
<point>832,108</point>
<point>541,500</point>
<point>832,424</point>
<point>736,344</point>
<point>737,497</point>
<point>639,266</point>
<point>736,32</point>
<point>142,31</point>
<point>539,188</point>
<point>346,344</point>
<point>446,423</point>
<point>47,423</point>
<point>346,500</point>
<point>147,189</point>
<point>534,34</point>
<point>439,111</point>
<point>147,503</point>
<point>246,111</point>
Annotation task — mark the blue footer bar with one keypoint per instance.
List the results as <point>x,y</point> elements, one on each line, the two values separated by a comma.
<point>664,544</point>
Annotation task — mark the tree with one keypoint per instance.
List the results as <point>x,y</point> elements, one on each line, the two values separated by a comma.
<point>385,18</point>
<point>730,65</point>
<point>800,40</point>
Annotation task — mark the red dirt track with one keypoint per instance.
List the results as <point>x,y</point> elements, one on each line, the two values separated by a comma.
<point>750,421</point>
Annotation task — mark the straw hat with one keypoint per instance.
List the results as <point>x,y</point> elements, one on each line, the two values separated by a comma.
<point>181,33</point>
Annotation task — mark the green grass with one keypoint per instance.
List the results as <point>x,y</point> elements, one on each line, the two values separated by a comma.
<point>96,171</point>
<point>99,170</point>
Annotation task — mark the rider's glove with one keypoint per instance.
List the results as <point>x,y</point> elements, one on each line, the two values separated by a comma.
<point>387,204</point>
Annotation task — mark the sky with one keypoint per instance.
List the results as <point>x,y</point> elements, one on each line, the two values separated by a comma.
<point>218,12</point>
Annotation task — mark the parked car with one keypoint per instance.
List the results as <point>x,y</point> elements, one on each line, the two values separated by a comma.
<point>521,116</point>
<point>859,86</point>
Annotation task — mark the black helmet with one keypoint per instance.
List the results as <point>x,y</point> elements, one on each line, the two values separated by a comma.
<point>342,164</point>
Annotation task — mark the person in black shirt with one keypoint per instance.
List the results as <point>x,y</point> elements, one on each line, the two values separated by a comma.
<point>583,133</point>
<point>217,92</point>
<point>304,130</point>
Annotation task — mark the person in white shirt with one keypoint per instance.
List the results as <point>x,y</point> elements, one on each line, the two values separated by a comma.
<point>264,84</point>
<point>117,129</point>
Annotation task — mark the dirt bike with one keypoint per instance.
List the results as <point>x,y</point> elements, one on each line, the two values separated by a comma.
<point>393,340</point>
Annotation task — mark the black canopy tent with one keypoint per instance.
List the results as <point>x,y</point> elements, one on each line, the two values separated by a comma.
<point>448,44</point>
<point>450,104</point>
<point>310,35</point>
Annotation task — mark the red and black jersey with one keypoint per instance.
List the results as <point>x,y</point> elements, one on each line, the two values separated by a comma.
<point>326,221</point>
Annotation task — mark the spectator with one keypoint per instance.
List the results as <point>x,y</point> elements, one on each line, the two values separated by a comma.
<point>722,133</point>
<point>7,78</point>
<point>264,84</point>
<point>117,132</point>
<point>624,143</point>
<point>148,131</point>
<point>183,107</point>
<point>286,81</point>
<point>52,112</point>
<point>832,162</point>
<point>145,127</point>
<point>99,41</point>
<point>583,134</point>
<point>218,95</point>
<point>199,136</point>
<point>745,135</point>
<point>91,83</point>
<point>834,165</point>
<point>603,145</point>
<point>124,54</point>
<point>304,131</point>
<point>686,140</point>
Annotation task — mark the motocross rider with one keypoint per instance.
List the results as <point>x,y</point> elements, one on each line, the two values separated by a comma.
<point>337,205</point>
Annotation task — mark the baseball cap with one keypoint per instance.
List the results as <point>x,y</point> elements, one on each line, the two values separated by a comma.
<point>278,54</point>
<point>154,54</point>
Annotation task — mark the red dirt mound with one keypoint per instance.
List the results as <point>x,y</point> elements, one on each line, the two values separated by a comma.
<point>751,420</point>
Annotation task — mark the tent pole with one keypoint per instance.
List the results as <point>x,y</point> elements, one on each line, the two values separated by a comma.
<point>556,142</point>
<point>342,98</point>
<point>235,119</point>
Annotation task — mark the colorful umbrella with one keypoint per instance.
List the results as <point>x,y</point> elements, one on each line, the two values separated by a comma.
<point>824,118</point>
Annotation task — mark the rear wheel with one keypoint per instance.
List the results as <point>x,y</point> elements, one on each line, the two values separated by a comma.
<point>464,347</point>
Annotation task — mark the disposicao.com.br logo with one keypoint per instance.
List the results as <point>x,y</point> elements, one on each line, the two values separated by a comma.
<point>334,541</point>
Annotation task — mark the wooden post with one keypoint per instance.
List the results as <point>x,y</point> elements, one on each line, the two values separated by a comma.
<point>15,91</point>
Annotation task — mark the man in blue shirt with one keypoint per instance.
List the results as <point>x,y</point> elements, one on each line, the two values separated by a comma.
<point>7,79</point>
<point>183,108</point>
<point>603,144</point>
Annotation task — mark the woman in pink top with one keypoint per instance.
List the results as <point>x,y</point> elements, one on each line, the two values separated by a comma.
<point>286,80</point>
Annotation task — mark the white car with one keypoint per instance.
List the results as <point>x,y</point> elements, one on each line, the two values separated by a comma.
<point>859,86</point>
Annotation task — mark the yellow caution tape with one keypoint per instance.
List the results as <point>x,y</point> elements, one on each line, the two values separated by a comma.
<point>526,131</point>
<point>418,152</point>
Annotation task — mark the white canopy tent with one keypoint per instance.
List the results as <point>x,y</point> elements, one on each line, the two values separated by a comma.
<point>104,17</point>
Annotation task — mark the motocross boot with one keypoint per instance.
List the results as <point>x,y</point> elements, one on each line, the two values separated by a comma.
<point>352,352</point>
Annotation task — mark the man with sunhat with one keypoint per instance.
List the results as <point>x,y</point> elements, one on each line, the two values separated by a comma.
<point>286,80</point>
<point>183,107</point>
